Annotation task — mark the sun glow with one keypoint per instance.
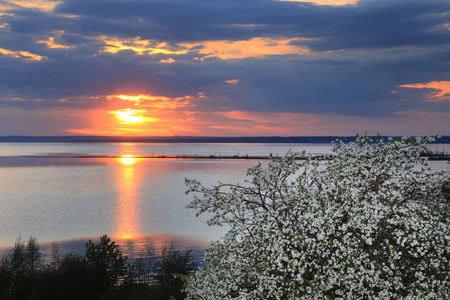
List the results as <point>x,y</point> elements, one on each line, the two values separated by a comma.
<point>130,115</point>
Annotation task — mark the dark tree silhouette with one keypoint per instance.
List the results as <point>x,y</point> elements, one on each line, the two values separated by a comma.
<point>173,265</point>
<point>107,260</point>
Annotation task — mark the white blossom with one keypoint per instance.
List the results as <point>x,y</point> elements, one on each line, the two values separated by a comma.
<point>370,223</point>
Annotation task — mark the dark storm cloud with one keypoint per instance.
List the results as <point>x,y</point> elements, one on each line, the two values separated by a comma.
<point>369,24</point>
<point>381,24</point>
<point>359,54</point>
<point>179,21</point>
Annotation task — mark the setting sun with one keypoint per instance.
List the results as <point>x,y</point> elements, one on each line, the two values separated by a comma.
<point>130,115</point>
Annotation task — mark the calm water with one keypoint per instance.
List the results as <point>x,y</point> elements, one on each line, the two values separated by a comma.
<point>71,149</point>
<point>56,196</point>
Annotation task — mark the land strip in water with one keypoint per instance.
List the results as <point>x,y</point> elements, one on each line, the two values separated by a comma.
<point>434,157</point>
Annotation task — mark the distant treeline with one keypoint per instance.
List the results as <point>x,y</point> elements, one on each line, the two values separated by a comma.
<point>104,272</point>
<point>187,139</point>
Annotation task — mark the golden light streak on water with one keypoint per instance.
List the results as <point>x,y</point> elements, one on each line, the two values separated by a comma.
<point>127,160</point>
<point>128,180</point>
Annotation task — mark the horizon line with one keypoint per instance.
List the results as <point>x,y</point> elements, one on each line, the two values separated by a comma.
<point>192,139</point>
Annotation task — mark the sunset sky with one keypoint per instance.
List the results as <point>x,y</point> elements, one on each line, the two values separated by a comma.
<point>224,67</point>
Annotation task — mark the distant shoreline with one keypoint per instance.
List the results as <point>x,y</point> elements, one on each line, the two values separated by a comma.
<point>190,139</point>
<point>212,157</point>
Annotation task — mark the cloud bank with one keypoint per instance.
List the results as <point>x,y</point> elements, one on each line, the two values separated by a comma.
<point>256,67</point>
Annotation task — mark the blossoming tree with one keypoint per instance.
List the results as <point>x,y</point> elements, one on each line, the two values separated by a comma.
<point>369,223</point>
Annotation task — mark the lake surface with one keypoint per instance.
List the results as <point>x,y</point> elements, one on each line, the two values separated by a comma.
<point>138,149</point>
<point>46,191</point>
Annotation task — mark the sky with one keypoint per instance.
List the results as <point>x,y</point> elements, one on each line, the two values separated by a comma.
<point>224,67</point>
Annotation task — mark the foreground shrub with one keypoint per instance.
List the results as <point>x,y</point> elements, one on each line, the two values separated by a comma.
<point>103,273</point>
<point>369,223</point>
<point>106,260</point>
<point>172,267</point>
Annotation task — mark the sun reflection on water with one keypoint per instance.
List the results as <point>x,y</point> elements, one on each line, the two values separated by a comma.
<point>127,159</point>
<point>128,180</point>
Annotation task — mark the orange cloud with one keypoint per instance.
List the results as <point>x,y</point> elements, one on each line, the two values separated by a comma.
<point>232,81</point>
<point>442,87</point>
<point>42,5</point>
<point>138,98</point>
<point>153,102</point>
<point>141,47</point>
<point>246,25</point>
<point>223,49</point>
<point>50,42</point>
<point>326,2</point>
<point>255,47</point>
<point>22,55</point>
<point>4,24</point>
<point>167,61</point>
